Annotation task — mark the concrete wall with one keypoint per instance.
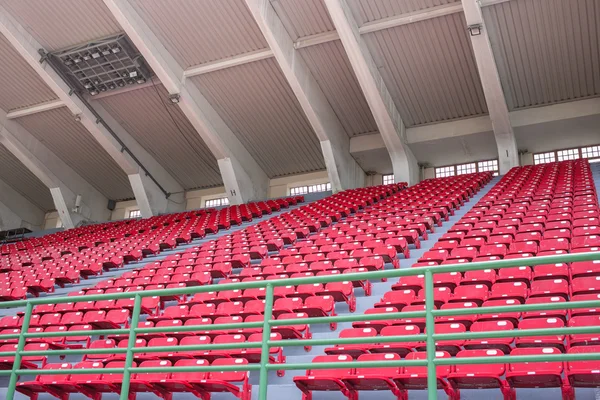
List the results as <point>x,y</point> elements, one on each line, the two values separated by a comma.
<point>52,220</point>
<point>122,209</point>
<point>196,199</point>
<point>280,187</point>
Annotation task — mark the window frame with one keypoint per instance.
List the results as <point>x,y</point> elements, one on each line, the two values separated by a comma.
<point>216,202</point>
<point>387,177</point>
<point>579,152</point>
<point>307,189</point>
<point>135,213</point>
<point>455,168</point>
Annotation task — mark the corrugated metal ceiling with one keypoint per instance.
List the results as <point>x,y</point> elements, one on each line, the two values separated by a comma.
<point>547,51</point>
<point>429,69</point>
<point>70,141</point>
<point>303,18</point>
<point>372,10</point>
<point>164,131</point>
<point>58,24</point>
<point>257,103</point>
<point>200,31</point>
<point>21,86</point>
<point>331,68</point>
<point>16,175</point>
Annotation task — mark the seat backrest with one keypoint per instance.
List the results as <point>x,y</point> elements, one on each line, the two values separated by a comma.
<point>87,377</point>
<point>442,371</point>
<point>337,373</point>
<point>55,377</point>
<point>380,371</point>
<point>190,376</point>
<point>153,376</point>
<point>529,367</point>
<point>491,369</point>
<point>229,376</point>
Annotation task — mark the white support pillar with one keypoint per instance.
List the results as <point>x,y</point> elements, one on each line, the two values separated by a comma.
<point>492,87</point>
<point>27,46</point>
<point>243,178</point>
<point>343,170</point>
<point>64,183</point>
<point>18,212</point>
<point>388,120</point>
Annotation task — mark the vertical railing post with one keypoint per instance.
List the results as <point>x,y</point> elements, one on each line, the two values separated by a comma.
<point>429,330</point>
<point>264,351</point>
<point>135,317</point>
<point>12,382</point>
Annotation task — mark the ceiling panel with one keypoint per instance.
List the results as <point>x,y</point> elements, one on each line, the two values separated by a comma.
<point>372,10</point>
<point>200,31</point>
<point>429,69</point>
<point>72,143</point>
<point>58,24</point>
<point>547,51</point>
<point>164,131</point>
<point>21,86</point>
<point>16,175</point>
<point>257,103</point>
<point>303,18</point>
<point>331,68</point>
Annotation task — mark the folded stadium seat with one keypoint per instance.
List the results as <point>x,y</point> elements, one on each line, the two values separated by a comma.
<point>319,306</point>
<point>480,376</point>
<point>541,341</point>
<point>400,348</point>
<point>370,379</point>
<point>551,271</point>
<point>339,291</point>
<point>538,374</point>
<point>397,298</point>
<point>293,331</point>
<point>509,290</point>
<point>414,283</point>
<point>434,255</point>
<point>27,362</point>
<point>353,350</point>
<point>562,314</point>
<point>486,277</point>
<point>452,346</point>
<point>415,378</point>
<point>550,287</point>
<point>54,384</point>
<point>493,249</point>
<point>144,382</point>
<point>502,344</point>
<point>441,295</point>
<point>448,279</point>
<point>513,316</point>
<point>584,339</point>
<point>583,373</point>
<point>326,379</point>
<point>378,325</point>
<point>585,285</point>
<point>101,344</point>
<point>470,293</point>
<point>465,320</point>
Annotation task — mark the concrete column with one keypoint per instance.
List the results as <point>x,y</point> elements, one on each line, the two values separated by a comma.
<point>492,87</point>
<point>27,46</point>
<point>18,212</point>
<point>343,170</point>
<point>243,178</point>
<point>388,120</point>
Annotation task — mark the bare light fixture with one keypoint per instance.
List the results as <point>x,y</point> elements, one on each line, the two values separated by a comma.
<point>475,29</point>
<point>174,98</point>
<point>104,64</point>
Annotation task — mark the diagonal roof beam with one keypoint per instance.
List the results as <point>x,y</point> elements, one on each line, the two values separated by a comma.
<point>243,178</point>
<point>64,183</point>
<point>492,87</point>
<point>16,211</point>
<point>388,120</point>
<point>151,183</point>
<point>343,171</point>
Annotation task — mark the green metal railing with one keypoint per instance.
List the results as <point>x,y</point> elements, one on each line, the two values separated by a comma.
<point>429,337</point>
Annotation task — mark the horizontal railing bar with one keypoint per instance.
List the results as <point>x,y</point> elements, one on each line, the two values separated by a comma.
<point>348,364</point>
<point>99,332</point>
<point>516,333</point>
<point>347,318</point>
<point>517,308</point>
<point>200,328</point>
<point>357,340</point>
<point>198,347</point>
<point>518,359</point>
<point>392,273</point>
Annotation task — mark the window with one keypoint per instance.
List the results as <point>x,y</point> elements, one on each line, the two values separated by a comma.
<point>570,154</point>
<point>388,179</point>
<point>490,165</point>
<point>543,158</point>
<point>469,168</point>
<point>222,201</point>
<point>443,172</point>
<point>135,214</point>
<point>592,152</point>
<point>321,187</point>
